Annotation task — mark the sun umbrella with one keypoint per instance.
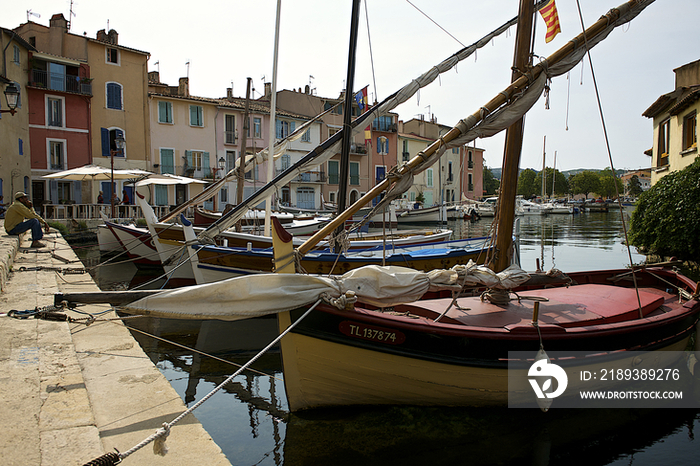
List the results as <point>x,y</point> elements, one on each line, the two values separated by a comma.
<point>168,179</point>
<point>96,173</point>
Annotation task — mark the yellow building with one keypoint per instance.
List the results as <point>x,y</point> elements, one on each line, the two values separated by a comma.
<point>15,168</point>
<point>675,123</point>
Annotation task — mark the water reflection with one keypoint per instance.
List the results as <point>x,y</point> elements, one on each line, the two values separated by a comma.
<point>248,419</point>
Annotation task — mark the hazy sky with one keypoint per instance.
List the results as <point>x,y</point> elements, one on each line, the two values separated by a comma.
<point>228,41</point>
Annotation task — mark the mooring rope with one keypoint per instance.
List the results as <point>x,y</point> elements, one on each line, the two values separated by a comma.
<point>161,434</point>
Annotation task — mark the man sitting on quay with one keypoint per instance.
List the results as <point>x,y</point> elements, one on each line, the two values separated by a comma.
<point>16,224</point>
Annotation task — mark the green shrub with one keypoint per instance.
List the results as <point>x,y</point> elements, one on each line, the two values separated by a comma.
<point>666,220</point>
<point>60,227</point>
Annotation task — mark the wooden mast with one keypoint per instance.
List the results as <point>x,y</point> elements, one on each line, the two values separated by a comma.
<point>347,113</point>
<point>513,146</point>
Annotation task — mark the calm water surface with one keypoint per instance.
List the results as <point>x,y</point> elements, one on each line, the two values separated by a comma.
<point>248,419</point>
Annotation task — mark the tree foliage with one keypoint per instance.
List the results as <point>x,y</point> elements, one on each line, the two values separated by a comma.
<point>561,183</point>
<point>634,186</point>
<point>526,183</point>
<point>665,221</point>
<point>585,183</point>
<point>607,184</point>
<point>491,184</point>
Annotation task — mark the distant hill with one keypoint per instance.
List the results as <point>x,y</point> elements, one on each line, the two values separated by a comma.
<point>568,173</point>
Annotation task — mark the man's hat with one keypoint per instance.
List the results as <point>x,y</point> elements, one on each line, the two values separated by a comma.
<point>19,194</point>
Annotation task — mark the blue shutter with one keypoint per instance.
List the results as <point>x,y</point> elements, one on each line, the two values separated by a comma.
<point>291,127</point>
<point>21,147</point>
<point>53,191</point>
<point>77,192</point>
<point>106,191</point>
<point>379,145</point>
<point>278,126</point>
<point>205,163</point>
<point>104,133</point>
<point>161,195</point>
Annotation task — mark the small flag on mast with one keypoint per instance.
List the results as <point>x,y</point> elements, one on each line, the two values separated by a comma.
<point>551,18</point>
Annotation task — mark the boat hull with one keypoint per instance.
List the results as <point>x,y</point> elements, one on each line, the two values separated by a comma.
<point>357,357</point>
<point>215,263</point>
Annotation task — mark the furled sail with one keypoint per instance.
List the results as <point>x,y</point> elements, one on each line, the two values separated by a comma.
<point>262,294</point>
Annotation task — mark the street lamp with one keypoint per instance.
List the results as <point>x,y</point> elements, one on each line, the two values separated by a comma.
<point>222,166</point>
<point>12,96</point>
<point>120,143</point>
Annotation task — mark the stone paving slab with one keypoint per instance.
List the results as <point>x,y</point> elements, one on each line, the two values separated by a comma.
<point>71,392</point>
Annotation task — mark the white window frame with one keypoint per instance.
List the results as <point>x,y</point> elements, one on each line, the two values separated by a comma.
<point>16,56</point>
<point>64,145</point>
<point>48,98</point>
<point>119,56</point>
<point>257,127</point>
<point>306,137</point>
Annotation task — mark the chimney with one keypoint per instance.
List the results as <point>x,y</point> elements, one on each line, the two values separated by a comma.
<point>183,89</point>
<point>154,77</point>
<point>307,89</point>
<point>229,94</point>
<point>101,35</point>
<point>268,90</point>
<point>113,37</point>
<point>58,28</point>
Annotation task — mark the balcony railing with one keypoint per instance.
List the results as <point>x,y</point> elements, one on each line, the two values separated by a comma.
<point>185,170</point>
<point>308,177</point>
<point>470,164</point>
<point>66,83</point>
<point>360,149</point>
<point>230,137</point>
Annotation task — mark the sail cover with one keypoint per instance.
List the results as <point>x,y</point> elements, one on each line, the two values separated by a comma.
<point>262,294</point>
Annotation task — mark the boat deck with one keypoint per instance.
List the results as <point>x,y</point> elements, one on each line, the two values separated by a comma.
<point>575,306</point>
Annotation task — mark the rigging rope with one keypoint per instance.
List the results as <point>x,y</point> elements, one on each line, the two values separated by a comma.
<point>161,434</point>
<point>612,168</point>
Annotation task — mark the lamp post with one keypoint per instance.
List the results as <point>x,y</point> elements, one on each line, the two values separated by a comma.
<point>222,166</point>
<point>120,143</point>
<point>12,96</point>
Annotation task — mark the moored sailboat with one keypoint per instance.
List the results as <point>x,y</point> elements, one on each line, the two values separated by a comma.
<point>391,335</point>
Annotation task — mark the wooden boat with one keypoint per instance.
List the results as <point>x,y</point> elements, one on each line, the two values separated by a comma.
<point>215,263</point>
<point>423,215</point>
<point>453,352</point>
<point>204,217</point>
<point>138,245</point>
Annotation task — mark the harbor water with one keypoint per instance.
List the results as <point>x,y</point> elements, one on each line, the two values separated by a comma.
<point>248,419</point>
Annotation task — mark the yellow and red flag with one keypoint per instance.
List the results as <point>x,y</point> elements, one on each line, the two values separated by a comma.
<point>551,18</point>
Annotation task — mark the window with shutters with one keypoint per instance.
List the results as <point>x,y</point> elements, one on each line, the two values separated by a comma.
<point>114,96</point>
<point>354,173</point>
<point>230,131</point>
<point>333,171</point>
<point>196,115</point>
<point>690,138</point>
<point>165,112</point>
